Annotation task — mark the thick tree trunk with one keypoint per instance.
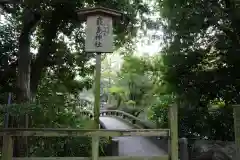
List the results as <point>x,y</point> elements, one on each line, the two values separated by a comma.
<point>24,62</point>
<point>23,77</point>
<point>23,85</point>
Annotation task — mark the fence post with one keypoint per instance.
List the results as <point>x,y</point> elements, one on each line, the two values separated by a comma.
<point>95,147</point>
<point>115,147</point>
<point>173,117</point>
<point>184,155</point>
<point>236,115</point>
<point>7,148</point>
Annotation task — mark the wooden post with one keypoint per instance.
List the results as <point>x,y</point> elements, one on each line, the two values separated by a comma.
<point>96,109</point>
<point>183,145</point>
<point>103,43</point>
<point>114,147</point>
<point>95,147</point>
<point>6,117</point>
<point>236,115</point>
<point>7,149</point>
<point>173,117</point>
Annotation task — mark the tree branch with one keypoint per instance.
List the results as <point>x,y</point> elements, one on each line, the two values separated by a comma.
<point>49,32</point>
<point>10,1</point>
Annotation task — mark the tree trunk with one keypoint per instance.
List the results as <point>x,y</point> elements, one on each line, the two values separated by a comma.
<point>23,77</point>
<point>24,61</point>
<point>119,100</point>
<point>23,85</point>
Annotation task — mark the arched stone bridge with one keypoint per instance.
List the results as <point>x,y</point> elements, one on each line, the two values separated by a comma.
<point>132,146</point>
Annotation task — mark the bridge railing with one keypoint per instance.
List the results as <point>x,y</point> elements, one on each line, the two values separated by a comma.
<point>128,117</point>
<point>9,134</point>
<point>124,116</point>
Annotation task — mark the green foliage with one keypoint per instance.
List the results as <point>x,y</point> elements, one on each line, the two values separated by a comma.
<point>8,52</point>
<point>58,36</point>
<point>199,63</point>
<point>54,110</point>
<point>201,56</point>
<point>131,103</point>
<point>133,83</point>
<point>59,65</point>
<point>158,111</point>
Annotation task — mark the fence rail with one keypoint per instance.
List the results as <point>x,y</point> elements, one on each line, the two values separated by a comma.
<point>8,134</point>
<point>100,158</point>
<point>52,132</point>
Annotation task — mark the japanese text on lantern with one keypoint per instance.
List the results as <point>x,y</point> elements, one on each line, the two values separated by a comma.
<point>102,30</point>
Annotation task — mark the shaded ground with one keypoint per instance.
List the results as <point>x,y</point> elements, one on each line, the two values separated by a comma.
<point>132,146</point>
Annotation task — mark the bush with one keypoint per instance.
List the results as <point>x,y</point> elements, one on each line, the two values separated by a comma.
<point>158,112</point>
<point>42,117</point>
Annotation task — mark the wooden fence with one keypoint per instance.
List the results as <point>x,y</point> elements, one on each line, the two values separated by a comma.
<point>9,134</point>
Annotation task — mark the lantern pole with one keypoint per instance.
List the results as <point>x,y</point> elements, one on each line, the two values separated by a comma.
<point>236,116</point>
<point>99,39</point>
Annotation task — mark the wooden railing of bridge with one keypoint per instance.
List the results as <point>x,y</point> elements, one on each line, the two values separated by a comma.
<point>123,116</point>
<point>9,134</point>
